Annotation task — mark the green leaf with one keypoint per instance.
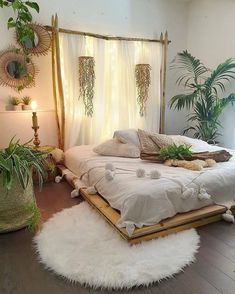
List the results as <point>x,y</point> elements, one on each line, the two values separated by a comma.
<point>16,5</point>
<point>25,16</point>
<point>11,25</point>
<point>176,152</point>
<point>33,5</point>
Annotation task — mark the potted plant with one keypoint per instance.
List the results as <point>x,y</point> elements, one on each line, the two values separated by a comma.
<point>15,102</point>
<point>26,100</point>
<point>18,207</point>
<point>203,90</point>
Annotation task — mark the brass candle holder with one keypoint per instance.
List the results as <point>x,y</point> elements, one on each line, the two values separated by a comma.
<point>35,126</point>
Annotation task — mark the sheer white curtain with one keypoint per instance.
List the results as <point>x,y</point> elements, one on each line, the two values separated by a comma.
<point>115,99</point>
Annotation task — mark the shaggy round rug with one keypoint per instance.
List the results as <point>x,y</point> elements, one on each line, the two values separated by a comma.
<point>80,245</point>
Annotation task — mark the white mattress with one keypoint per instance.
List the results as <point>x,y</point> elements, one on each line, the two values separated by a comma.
<point>146,201</point>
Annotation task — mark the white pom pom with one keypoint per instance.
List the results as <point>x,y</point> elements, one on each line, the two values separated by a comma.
<point>155,174</point>
<point>203,195</point>
<point>58,179</point>
<point>229,212</point>
<point>109,166</point>
<point>109,175</point>
<point>91,190</point>
<point>228,217</point>
<point>140,173</point>
<point>74,193</point>
<point>188,193</point>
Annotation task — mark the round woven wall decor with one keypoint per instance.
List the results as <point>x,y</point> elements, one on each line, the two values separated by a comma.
<point>42,41</point>
<point>10,75</point>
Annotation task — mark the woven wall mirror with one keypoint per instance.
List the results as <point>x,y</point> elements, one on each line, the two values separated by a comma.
<point>14,72</point>
<point>41,43</point>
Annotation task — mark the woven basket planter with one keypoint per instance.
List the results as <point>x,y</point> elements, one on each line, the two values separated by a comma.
<point>14,206</point>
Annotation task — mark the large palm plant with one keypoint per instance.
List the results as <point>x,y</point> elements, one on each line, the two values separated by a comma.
<point>203,88</point>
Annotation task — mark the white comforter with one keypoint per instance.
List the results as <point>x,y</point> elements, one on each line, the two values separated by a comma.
<point>146,201</point>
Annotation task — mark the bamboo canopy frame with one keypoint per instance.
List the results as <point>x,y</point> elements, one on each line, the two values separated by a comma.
<point>57,78</point>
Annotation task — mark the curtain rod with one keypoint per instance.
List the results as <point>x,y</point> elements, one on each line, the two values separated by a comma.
<point>62,30</point>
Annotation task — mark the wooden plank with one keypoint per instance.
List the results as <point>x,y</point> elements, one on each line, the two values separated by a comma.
<point>165,232</point>
<point>172,225</point>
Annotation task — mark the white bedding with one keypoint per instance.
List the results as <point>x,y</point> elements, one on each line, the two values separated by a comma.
<point>146,201</point>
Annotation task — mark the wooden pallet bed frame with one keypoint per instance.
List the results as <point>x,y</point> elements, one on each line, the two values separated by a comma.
<point>177,223</point>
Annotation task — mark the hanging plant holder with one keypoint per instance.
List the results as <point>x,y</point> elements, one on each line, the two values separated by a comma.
<point>143,81</point>
<point>87,82</point>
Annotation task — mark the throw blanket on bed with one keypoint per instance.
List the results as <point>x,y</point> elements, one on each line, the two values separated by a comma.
<point>151,144</point>
<point>148,200</point>
<point>218,156</point>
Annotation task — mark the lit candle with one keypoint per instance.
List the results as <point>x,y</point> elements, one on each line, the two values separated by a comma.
<point>34,106</point>
<point>34,117</point>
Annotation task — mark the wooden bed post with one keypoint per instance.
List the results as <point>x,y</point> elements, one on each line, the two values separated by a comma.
<point>54,81</point>
<point>164,41</point>
<point>57,82</point>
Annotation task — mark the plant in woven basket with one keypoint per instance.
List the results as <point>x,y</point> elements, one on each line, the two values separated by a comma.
<point>16,190</point>
<point>176,152</point>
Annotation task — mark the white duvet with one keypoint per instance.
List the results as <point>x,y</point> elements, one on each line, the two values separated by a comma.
<point>146,201</point>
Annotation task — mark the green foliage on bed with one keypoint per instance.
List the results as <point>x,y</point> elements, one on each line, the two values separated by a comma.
<point>176,152</point>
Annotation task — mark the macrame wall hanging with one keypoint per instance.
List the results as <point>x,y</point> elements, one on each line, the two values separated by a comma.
<point>143,80</point>
<point>87,82</point>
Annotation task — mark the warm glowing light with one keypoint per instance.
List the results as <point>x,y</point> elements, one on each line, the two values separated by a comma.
<point>34,106</point>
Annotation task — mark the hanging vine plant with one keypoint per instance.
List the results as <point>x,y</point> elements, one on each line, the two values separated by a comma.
<point>87,82</point>
<point>143,81</point>
<point>21,23</point>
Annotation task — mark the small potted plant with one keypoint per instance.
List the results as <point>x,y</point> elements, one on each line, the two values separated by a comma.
<point>26,100</point>
<point>18,207</point>
<point>15,102</point>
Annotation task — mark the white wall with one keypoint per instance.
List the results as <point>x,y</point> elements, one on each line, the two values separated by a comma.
<point>211,37</point>
<point>140,18</point>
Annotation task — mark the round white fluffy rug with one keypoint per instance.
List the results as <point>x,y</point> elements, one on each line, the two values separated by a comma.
<point>81,246</point>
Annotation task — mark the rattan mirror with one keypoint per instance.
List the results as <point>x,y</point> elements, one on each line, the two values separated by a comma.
<point>14,71</point>
<point>41,43</point>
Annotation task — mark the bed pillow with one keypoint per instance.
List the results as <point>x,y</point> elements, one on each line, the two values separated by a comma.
<point>114,147</point>
<point>197,145</point>
<point>162,140</point>
<point>147,145</point>
<point>129,136</point>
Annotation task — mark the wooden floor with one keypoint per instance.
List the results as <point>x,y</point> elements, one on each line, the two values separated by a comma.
<point>21,273</point>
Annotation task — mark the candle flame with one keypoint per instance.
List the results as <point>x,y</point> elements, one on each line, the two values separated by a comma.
<point>34,106</point>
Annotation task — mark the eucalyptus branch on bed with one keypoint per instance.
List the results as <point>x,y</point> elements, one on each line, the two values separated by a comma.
<point>176,152</point>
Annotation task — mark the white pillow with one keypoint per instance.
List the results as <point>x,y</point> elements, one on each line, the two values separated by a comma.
<point>127,136</point>
<point>114,147</point>
<point>197,145</point>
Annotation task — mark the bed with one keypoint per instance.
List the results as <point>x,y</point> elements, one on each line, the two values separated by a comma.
<point>145,208</point>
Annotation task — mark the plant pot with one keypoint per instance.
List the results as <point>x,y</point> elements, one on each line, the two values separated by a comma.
<point>17,107</point>
<point>15,212</point>
<point>27,107</point>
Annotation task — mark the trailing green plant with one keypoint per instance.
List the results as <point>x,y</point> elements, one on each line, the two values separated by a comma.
<point>18,160</point>
<point>175,152</point>
<point>26,100</point>
<point>203,90</point>
<point>15,100</point>
<point>22,17</point>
